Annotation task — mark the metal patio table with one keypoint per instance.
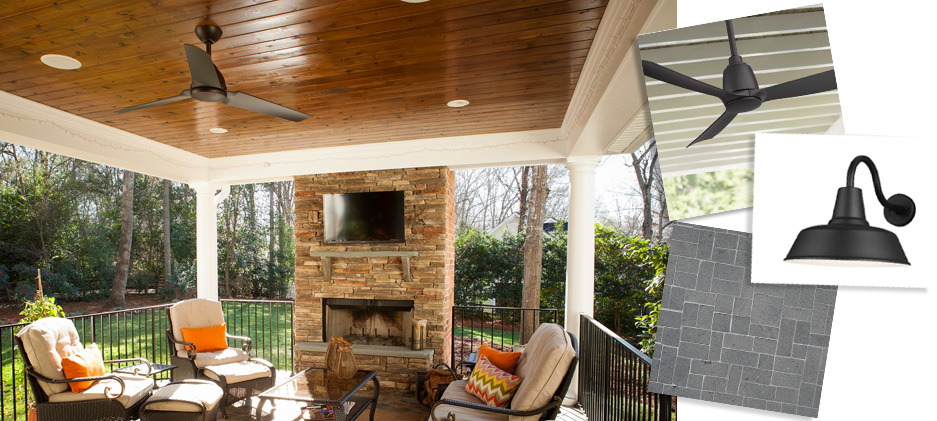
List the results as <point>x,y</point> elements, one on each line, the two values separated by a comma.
<point>316,387</point>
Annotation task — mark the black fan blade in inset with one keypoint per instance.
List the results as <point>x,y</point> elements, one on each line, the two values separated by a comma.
<point>204,72</point>
<point>820,82</point>
<point>663,74</point>
<point>252,103</point>
<point>182,95</point>
<point>714,128</point>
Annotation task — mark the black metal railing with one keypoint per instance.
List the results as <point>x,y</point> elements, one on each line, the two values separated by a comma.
<point>499,327</point>
<point>141,332</point>
<point>269,324</point>
<point>613,378</point>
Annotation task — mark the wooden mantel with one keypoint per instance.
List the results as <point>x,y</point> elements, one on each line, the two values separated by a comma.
<point>327,256</point>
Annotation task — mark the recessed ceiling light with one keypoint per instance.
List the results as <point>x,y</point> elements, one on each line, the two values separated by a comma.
<point>414,1</point>
<point>59,61</point>
<point>218,130</point>
<point>457,103</point>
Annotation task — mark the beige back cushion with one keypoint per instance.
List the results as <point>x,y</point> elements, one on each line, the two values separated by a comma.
<point>193,314</point>
<point>46,342</point>
<point>542,366</point>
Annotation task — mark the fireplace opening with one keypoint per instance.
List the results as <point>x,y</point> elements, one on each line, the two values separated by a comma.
<point>368,322</point>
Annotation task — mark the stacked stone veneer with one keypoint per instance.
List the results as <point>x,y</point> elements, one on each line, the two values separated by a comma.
<point>721,338</point>
<point>429,202</point>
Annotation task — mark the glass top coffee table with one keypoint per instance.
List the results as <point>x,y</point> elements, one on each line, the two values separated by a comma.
<point>315,387</point>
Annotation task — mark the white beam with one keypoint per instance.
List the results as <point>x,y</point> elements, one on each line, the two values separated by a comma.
<point>610,92</point>
<point>477,151</point>
<point>34,125</point>
<point>580,249</point>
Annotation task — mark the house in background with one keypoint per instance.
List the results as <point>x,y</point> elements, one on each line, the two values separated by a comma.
<point>509,226</point>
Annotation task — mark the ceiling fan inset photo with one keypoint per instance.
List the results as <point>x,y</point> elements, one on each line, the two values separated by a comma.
<point>740,92</point>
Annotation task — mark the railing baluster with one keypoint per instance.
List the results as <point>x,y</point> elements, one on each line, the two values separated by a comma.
<point>12,342</point>
<point>616,387</point>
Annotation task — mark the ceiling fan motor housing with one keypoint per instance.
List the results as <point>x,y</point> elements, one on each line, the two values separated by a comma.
<point>738,77</point>
<point>209,94</point>
<point>739,80</point>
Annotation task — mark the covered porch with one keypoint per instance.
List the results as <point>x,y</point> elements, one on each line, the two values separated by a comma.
<point>606,113</point>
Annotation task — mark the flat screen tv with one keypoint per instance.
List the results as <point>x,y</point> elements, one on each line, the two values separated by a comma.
<point>372,217</point>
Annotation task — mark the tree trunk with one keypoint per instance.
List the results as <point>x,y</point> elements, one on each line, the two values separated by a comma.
<point>524,195</point>
<point>167,249</point>
<point>533,250</point>
<point>643,175</point>
<point>664,216</point>
<point>231,221</point>
<point>251,210</point>
<point>271,253</point>
<point>119,288</point>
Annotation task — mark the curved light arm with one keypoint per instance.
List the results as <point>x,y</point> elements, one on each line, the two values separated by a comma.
<point>851,176</point>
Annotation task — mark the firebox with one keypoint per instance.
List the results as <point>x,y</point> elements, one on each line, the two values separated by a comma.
<point>368,322</point>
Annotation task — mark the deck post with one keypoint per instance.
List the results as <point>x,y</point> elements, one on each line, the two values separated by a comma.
<point>580,251</point>
<point>206,228</point>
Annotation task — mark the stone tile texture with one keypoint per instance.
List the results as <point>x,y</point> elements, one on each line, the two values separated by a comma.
<point>723,339</point>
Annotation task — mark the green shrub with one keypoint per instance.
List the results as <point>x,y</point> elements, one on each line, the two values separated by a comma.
<point>53,284</point>
<point>488,267</point>
<point>183,281</point>
<point>40,307</point>
<point>655,257</point>
<point>142,281</point>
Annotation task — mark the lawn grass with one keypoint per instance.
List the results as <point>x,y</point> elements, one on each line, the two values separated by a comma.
<point>496,336</point>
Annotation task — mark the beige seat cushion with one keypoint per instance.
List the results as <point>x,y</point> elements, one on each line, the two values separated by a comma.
<point>225,356</point>
<point>182,394</point>
<point>543,364</point>
<point>136,388</point>
<point>456,391</point>
<point>193,314</point>
<point>238,372</point>
<point>46,342</point>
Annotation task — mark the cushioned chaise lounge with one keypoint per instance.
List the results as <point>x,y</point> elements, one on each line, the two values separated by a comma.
<point>546,368</point>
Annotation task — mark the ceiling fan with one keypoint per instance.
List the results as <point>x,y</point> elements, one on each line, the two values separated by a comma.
<point>740,92</point>
<point>208,84</point>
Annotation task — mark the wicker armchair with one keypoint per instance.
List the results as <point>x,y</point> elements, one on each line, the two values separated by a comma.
<point>546,367</point>
<point>43,344</point>
<point>239,375</point>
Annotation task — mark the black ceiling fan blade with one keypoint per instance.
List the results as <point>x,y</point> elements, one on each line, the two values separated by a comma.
<point>252,103</point>
<point>715,128</point>
<point>820,82</point>
<point>182,95</point>
<point>203,71</point>
<point>663,74</point>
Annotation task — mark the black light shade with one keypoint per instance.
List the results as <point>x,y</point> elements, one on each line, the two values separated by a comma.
<point>848,238</point>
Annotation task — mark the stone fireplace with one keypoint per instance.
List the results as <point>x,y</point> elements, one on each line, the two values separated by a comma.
<point>370,293</point>
<point>368,322</point>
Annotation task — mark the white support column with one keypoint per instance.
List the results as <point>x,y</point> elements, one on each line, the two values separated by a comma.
<point>580,249</point>
<point>206,228</point>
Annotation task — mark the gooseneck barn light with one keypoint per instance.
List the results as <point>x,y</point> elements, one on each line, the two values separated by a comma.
<point>848,240</point>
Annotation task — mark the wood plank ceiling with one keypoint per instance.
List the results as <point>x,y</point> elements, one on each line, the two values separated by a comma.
<point>779,47</point>
<point>366,70</point>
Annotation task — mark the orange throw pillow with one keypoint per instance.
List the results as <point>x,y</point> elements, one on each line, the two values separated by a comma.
<point>85,363</point>
<point>206,339</point>
<point>506,361</point>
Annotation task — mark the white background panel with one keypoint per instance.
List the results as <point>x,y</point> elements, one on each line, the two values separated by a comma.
<point>880,365</point>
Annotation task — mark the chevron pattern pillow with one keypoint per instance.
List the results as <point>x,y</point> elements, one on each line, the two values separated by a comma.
<point>491,384</point>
